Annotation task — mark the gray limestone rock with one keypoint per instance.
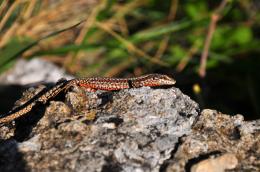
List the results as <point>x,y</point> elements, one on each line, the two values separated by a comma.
<point>129,130</point>
<point>33,71</point>
<point>219,142</point>
<point>132,130</point>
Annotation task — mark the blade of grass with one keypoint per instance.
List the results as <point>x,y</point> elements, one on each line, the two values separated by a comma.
<point>9,13</point>
<point>8,54</point>
<point>165,29</point>
<point>68,48</point>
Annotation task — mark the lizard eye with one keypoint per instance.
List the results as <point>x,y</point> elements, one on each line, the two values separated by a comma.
<point>155,78</point>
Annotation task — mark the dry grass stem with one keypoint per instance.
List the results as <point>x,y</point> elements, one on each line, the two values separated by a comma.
<point>130,47</point>
<point>120,67</point>
<point>3,6</point>
<point>29,10</point>
<point>185,60</point>
<point>9,13</point>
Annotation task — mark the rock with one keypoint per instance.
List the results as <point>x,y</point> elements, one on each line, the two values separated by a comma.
<point>33,71</point>
<point>138,130</point>
<point>219,164</point>
<point>214,134</point>
<point>129,130</point>
<point>25,74</point>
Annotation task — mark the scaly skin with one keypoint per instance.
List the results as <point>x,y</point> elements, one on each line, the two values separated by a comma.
<point>92,84</point>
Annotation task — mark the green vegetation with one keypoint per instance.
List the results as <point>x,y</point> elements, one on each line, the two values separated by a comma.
<point>124,37</point>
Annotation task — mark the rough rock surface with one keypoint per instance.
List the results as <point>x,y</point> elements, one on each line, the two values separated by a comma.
<point>135,130</point>
<point>215,135</point>
<point>129,130</point>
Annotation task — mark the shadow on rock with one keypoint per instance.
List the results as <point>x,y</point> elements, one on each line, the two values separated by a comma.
<point>11,160</point>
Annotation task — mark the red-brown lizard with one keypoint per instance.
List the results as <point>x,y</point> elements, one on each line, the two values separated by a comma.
<point>92,84</point>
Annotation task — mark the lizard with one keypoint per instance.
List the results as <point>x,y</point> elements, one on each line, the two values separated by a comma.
<point>91,84</point>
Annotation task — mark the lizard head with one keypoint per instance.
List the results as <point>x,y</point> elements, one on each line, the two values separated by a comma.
<point>156,80</point>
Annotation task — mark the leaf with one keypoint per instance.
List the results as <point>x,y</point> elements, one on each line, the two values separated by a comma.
<point>242,35</point>
<point>196,10</point>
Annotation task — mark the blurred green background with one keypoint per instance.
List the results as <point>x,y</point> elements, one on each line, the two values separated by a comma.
<point>210,47</point>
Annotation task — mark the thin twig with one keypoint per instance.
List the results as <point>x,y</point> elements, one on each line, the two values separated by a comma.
<point>215,17</point>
